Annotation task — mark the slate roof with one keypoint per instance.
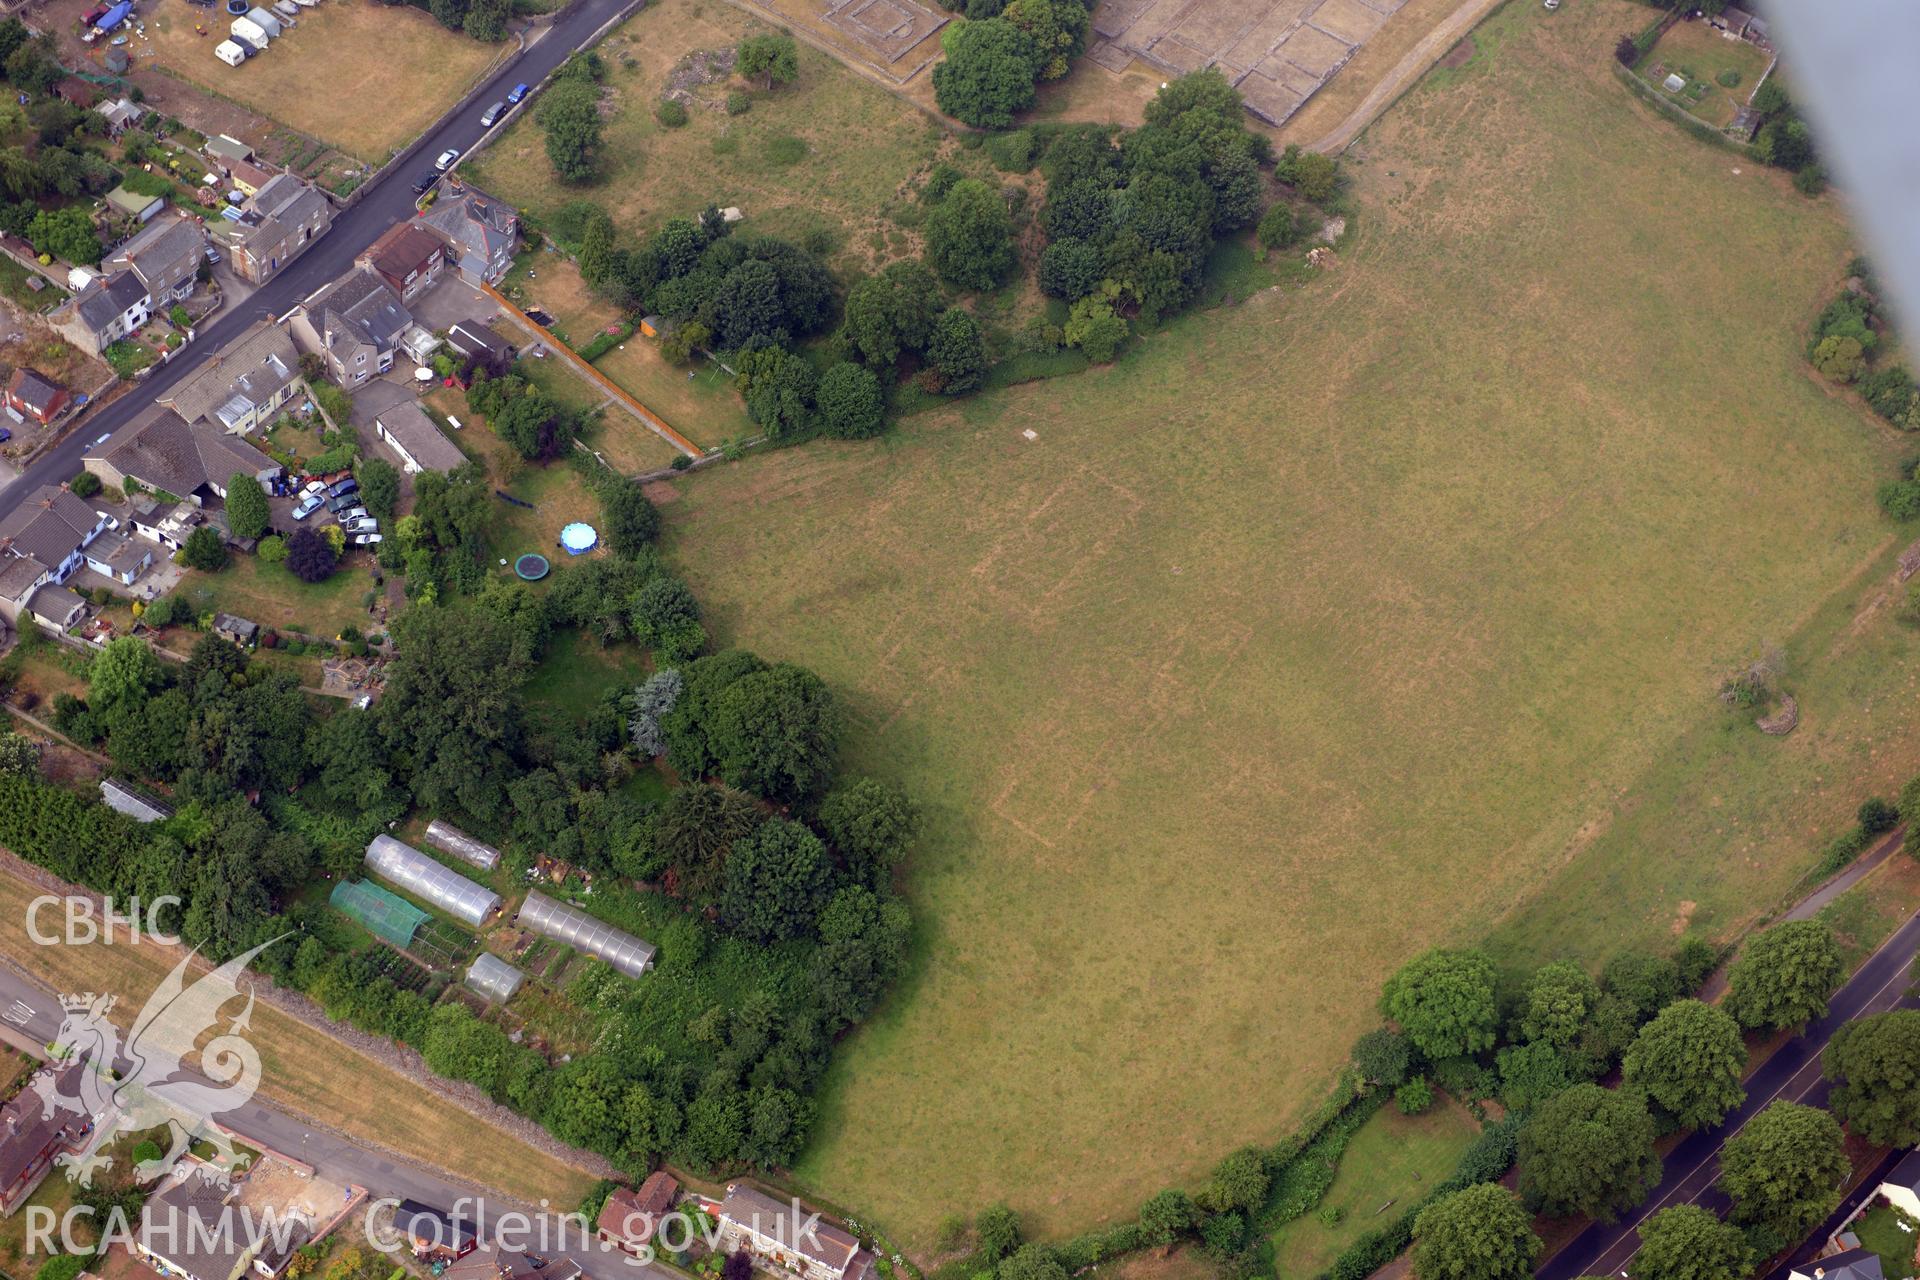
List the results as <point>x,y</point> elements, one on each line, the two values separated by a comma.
<point>18,575</point>
<point>491,1262</point>
<point>1906,1173</point>
<point>474,221</point>
<point>359,307</point>
<point>224,147</point>
<point>408,423</point>
<point>49,526</point>
<point>26,1131</point>
<point>53,601</point>
<point>162,244</point>
<point>33,389</point>
<point>1854,1264</point>
<point>188,1224</point>
<point>158,448</point>
<point>251,372</point>
<point>102,302</point>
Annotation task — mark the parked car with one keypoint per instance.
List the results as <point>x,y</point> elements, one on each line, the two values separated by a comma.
<point>308,505</point>
<point>446,159</point>
<point>360,524</point>
<point>213,254</point>
<point>342,486</point>
<point>348,515</point>
<point>345,502</point>
<point>492,114</point>
<point>425,181</point>
<point>314,486</point>
<point>366,539</point>
<point>519,92</point>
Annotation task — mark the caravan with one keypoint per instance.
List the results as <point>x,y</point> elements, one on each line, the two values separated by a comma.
<point>246,31</point>
<point>230,53</point>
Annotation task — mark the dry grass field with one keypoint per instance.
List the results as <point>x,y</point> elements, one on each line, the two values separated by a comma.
<point>820,159</point>
<point>320,76</point>
<point>307,1070</point>
<point>1364,617</point>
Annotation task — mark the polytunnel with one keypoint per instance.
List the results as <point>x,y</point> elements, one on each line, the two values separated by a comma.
<point>581,931</point>
<point>450,839</point>
<point>493,977</point>
<point>421,876</point>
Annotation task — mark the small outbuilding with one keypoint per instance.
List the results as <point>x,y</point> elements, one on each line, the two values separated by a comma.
<point>239,630</point>
<point>131,204</point>
<point>448,838</point>
<point>1674,83</point>
<point>133,802</point>
<point>493,977</point>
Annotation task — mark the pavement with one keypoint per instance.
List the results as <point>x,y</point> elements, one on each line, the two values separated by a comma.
<point>35,1013</point>
<point>386,200</point>
<point>1792,1073</point>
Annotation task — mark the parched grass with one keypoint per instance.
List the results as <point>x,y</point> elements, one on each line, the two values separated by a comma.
<point>1392,1161</point>
<point>703,407</point>
<point>322,76</point>
<point>820,159</point>
<point>307,1070</point>
<point>1362,617</point>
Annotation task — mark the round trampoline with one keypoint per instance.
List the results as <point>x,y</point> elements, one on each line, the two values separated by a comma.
<point>579,538</point>
<point>531,567</point>
<point>237,7</point>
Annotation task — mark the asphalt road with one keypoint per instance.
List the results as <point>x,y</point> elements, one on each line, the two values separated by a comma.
<point>35,1012</point>
<point>389,199</point>
<point>1792,1073</point>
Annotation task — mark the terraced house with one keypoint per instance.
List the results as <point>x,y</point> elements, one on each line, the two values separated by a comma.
<point>242,387</point>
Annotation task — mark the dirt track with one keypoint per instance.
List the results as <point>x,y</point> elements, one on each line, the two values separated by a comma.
<point>1419,59</point>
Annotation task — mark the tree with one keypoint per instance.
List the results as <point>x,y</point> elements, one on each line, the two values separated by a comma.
<point>1312,174</point>
<point>666,618</point>
<point>1383,1057</point>
<point>204,550</point>
<point>1588,1150</point>
<point>891,312</point>
<point>779,389</point>
<point>1444,1001</point>
<point>1784,975</point>
<point>1875,1062</point>
<point>1646,982</point>
<point>486,20</point>
<point>970,236</point>
<point>1032,1261</point>
<point>66,233</point>
<point>871,825</point>
<point>309,557</point>
<point>987,75</point>
<point>379,482</point>
<point>850,404</point>
<point>774,733</point>
<point>1058,29</point>
<point>84,484</point>
<point>569,113</point>
<point>247,512</point>
<point>1278,227</point>
<point>629,518</point>
<point>19,756</point>
<point>124,675</point>
<point>1532,1073</point>
<point>1840,358</point>
<point>536,425</point>
<point>1480,1233</point>
<point>1784,1170</point>
<point>1094,327</point>
<point>997,1231</point>
<point>1689,1060</point>
<point>1239,1183</point>
<point>1558,998</point>
<point>1413,1097</point>
<point>1686,1242</point>
<point>777,879</point>
<point>451,708</point>
<point>957,351</point>
<point>768,58</point>
<point>694,830</point>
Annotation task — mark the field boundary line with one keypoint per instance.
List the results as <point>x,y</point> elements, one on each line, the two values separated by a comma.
<point>653,421</point>
<point>1418,60</point>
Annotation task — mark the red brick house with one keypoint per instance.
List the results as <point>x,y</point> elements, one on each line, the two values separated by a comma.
<point>629,1218</point>
<point>30,394</point>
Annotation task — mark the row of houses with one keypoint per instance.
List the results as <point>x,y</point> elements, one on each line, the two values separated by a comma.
<point>785,1237</point>
<point>147,274</point>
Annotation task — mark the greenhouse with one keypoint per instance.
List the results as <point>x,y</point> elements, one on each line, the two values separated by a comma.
<point>420,875</point>
<point>493,977</point>
<point>579,930</point>
<point>384,914</point>
<point>451,839</point>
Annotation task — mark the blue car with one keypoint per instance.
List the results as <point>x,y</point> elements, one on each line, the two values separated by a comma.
<point>519,92</point>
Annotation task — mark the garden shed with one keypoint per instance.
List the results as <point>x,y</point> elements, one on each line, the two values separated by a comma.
<point>493,977</point>
<point>628,954</point>
<point>414,871</point>
<point>385,915</point>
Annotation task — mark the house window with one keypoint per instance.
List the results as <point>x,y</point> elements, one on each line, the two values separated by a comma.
<point>361,358</point>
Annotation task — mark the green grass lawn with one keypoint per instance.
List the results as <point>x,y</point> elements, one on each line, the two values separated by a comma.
<point>1700,54</point>
<point>821,160</point>
<point>1362,617</point>
<point>577,670</point>
<point>1389,1164</point>
<point>271,596</point>
<point>1879,1230</point>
